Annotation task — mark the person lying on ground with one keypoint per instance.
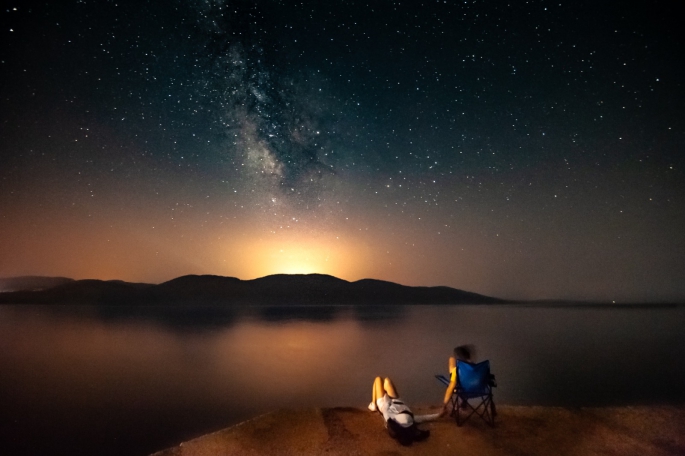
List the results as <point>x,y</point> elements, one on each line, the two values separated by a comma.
<point>399,419</point>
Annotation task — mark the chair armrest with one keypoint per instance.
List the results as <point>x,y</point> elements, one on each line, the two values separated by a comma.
<point>444,380</point>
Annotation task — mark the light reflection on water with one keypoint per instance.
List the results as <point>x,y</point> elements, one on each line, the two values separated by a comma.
<point>85,380</point>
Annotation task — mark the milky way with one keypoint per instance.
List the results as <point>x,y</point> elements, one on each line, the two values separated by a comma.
<point>265,106</point>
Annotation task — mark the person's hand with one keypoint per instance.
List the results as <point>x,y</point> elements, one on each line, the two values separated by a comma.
<point>443,412</point>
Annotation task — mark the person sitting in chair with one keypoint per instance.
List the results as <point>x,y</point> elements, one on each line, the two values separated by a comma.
<point>399,419</point>
<point>462,353</point>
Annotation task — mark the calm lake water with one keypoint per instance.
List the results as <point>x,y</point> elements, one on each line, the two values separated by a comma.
<point>113,381</point>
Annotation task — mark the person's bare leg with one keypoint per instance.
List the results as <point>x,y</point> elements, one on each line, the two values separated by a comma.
<point>376,392</point>
<point>390,388</point>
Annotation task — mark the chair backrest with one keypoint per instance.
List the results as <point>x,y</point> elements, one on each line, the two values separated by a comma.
<point>473,377</point>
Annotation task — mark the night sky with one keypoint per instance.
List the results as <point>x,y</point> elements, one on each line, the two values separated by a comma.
<point>523,149</point>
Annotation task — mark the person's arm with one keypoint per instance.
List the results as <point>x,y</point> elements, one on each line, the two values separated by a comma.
<point>450,388</point>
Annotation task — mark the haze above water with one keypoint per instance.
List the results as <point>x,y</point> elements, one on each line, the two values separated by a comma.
<point>86,380</point>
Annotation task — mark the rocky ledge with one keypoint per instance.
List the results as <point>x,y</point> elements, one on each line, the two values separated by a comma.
<point>650,430</point>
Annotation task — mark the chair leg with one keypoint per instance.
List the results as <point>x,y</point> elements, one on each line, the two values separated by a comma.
<point>485,410</point>
<point>462,405</point>
<point>489,411</point>
<point>457,415</point>
<point>454,405</point>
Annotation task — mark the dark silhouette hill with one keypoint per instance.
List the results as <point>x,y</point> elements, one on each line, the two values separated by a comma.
<point>31,283</point>
<point>279,289</point>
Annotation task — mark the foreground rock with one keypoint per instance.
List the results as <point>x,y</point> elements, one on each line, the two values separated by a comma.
<point>519,431</point>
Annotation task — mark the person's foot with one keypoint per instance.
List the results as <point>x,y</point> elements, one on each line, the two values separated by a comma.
<point>372,407</point>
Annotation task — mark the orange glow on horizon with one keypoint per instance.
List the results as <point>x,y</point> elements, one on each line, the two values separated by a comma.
<point>301,255</point>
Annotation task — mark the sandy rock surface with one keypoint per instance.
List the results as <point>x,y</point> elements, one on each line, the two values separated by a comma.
<point>518,431</point>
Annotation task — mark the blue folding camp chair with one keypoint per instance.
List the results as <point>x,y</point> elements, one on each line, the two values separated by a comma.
<point>474,383</point>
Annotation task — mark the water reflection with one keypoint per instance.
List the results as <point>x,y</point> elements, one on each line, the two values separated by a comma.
<point>381,314</point>
<point>308,313</point>
<point>208,317</point>
<point>182,318</point>
<point>367,315</point>
<point>87,380</point>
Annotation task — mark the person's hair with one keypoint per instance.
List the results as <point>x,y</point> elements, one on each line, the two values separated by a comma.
<point>463,352</point>
<point>404,435</point>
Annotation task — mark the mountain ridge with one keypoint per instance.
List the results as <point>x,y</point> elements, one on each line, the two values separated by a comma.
<point>31,283</point>
<point>276,289</point>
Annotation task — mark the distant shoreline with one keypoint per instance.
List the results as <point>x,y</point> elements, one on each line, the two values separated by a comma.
<point>279,289</point>
<point>519,304</point>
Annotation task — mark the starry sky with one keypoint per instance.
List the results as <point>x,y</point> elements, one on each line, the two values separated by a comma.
<point>525,150</point>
